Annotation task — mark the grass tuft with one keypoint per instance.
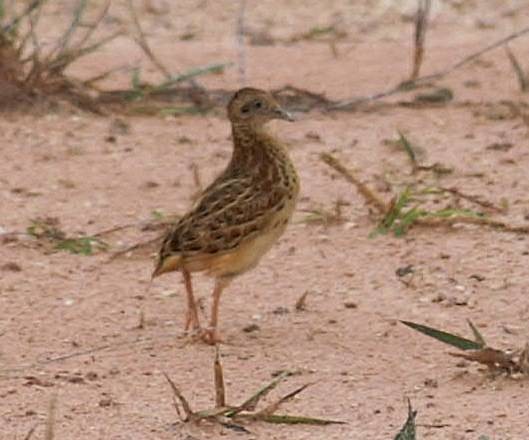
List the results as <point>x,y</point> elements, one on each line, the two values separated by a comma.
<point>232,416</point>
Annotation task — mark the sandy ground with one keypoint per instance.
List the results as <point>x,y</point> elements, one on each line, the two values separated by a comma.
<point>69,323</point>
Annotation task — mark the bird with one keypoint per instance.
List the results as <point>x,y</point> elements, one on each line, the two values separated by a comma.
<point>241,214</point>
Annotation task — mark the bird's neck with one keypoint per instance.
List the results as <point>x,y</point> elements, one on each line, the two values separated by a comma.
<point>253,145</point>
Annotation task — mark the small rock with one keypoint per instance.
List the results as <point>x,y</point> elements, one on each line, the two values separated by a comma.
<point>11,267</point>
<point>91,375</point>
<point>405,270</point>
<point>313,136</point>
<point>430,383</point>
<point>106,402</point>
<point>500,146</point>
<point>350,305</point>
<point>250,328</point>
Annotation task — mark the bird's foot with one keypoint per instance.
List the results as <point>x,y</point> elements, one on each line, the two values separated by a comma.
<point>211,336</point>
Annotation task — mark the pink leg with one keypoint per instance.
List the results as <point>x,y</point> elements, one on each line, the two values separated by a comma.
<point>192,320</point>
<point>211,335</point>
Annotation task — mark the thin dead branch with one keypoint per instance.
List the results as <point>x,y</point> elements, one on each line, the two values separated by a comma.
<point>189,414</point>
<point>478,221</point>
<point>220,391</point>
<point>141,41</point>
<point>50,420</point>
<point>136,246</point>
<point>421,26</point>
<point>410,85</point>
<point>370,196</point>
<point>301,303</point>
<point>523,81</point>
<point>472,198</point>
<point>8,28</point>
<point>30,432</point>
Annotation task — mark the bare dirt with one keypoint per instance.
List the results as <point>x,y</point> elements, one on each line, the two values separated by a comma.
<point>69,323</point>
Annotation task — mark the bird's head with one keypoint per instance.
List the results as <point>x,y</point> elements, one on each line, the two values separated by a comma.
<point>255,107</point>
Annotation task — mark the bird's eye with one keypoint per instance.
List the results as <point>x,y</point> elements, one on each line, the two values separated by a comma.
<point>258,104</point>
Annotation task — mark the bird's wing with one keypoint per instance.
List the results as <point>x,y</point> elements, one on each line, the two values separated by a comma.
<point>229,212</point>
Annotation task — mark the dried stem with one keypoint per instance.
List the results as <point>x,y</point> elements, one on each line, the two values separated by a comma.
<point>141,41</point>
<point>421,25</point>
<point>14,23</point>
<point>409,85</point>
<point>518,70</point>
<point>370,196</point>
<point>220,391</point>
<point>50,420</point>
<point>471,198</point>
<point>189,414</point>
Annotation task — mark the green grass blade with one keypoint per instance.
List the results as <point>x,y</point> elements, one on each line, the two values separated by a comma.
<point>477,334</point>
<point>408,430</point>
<point>406,145</point>
<point>447,338</point>
<point>407,220</point>
<point>393,214</point>
<point>298,420</point>
<point>251,403</point>
<point>82,245</point>
<point>450,212</point>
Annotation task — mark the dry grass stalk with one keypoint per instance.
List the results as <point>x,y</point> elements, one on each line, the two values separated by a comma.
<point>230,416</point>
<point>30,432</point>
<point>50,420</point>
<point>415,215</point>
<point>421,26</point>
<point>220,391</point>
<point>472,198</point>
<point>479,221</point>
<point>30,69</point>
<point>141,41</point>
<point>410,85</point>
<point>301,303</point>
<point>523,81</point>
<point>370,196</point>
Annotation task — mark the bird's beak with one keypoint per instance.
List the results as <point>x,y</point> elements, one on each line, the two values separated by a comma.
<point>283,114</point>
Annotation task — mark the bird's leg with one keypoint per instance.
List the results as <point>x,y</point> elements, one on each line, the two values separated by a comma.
<point>192,320</point>
<point>211,335</point>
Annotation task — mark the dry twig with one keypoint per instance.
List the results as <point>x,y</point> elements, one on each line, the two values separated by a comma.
<point>410,85</point>
<point>141,41</point>
<point>416,216</point>
<point>421,26</point>
<point>370,196</point>
<point>523,81</point>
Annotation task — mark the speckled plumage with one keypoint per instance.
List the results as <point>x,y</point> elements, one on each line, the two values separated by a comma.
<point>243,211</point>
